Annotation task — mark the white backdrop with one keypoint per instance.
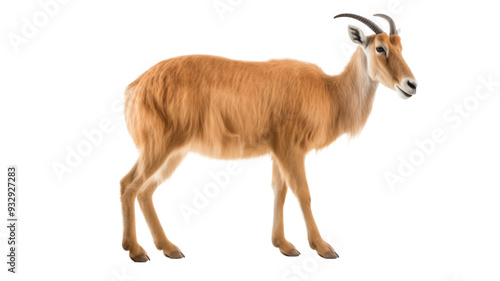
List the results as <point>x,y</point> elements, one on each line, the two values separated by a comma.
<point>63,70</point>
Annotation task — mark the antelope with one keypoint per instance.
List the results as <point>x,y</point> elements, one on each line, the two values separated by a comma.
<point>230,109</point>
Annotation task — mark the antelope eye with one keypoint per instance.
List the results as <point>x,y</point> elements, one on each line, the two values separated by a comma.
<point>380,49</point>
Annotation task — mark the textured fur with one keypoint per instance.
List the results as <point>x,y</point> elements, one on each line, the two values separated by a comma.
<point>230,109</point>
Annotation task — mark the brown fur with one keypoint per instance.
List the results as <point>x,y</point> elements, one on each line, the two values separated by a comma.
<point>230,109</point>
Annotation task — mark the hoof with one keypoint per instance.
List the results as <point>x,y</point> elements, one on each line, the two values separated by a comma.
<point>286,248</point>
<point>140,258</point>
<point>291,253</point>
<point>329,255</point>
<point>175,255</point>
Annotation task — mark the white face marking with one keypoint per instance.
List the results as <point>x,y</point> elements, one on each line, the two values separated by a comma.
<point>404,90</point>
<point>368,61</point>
<point>400,92</point>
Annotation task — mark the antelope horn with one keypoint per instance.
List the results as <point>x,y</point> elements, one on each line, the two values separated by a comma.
<point>394,31</point>
<point>373,26</point>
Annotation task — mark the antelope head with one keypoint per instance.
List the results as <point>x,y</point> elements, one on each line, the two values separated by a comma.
<point>384,59</point>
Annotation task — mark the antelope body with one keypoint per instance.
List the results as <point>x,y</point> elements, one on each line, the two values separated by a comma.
<point>230,109</point>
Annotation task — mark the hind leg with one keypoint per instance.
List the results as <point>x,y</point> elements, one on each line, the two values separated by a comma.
<point>148,164</point>
<point>130,185</point>
<point>145,198</point>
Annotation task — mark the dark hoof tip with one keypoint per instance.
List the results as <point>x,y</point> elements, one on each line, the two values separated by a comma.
<point>330,255</point>
<point>141,258</point>
<point>176,255</point>
<point>291,253</point>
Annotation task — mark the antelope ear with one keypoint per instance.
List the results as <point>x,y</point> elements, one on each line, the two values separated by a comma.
<point>357,36</point>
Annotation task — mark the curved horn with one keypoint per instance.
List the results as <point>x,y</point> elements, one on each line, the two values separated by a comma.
<point>366,21</point>
<point>394,31</point>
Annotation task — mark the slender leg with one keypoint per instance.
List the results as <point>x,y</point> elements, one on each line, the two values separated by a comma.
<point>130,185</point>
<point>278,237</point>
<point>145,198</point>
<point>146,166</point>
<point>293,170</point>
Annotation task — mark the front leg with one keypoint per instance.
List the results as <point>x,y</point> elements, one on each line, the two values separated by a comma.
<point>292,168</point>
<point>278,237</point>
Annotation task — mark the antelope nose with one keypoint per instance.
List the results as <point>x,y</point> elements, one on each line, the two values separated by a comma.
<point>412,84</point>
